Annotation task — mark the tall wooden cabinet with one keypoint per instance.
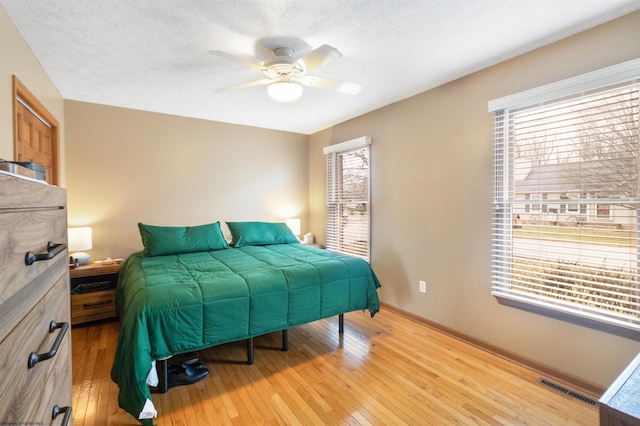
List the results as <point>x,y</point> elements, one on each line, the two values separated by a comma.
<point>35,334</point>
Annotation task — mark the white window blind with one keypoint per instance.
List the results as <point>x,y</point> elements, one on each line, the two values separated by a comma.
<point>347,195</point>
<point>566,199</point>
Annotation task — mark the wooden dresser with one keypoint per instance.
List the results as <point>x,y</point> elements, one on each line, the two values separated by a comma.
<point>35,335</point>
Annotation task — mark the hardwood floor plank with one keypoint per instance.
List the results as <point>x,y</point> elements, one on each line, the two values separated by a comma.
<point>225,406</point>
<point>385,370</point>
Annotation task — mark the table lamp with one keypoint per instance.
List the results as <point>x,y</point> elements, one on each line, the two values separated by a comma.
<point>79,240</point>
<point>294,225</point>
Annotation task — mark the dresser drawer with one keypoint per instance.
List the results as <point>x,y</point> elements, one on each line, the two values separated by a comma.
<point>35,391</point>
<point>93,306</point>
<point>21,285</point>
<point>16,193</point>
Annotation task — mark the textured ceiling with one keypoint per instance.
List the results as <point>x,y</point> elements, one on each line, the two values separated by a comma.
<point>152,55</point>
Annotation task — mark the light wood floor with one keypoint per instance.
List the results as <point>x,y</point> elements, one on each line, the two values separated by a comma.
<point>383,371</point>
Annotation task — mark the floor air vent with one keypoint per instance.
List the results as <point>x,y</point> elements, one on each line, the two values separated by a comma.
<point>569,392</point>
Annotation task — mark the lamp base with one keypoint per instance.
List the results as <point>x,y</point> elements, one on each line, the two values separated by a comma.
<point>80,258</point>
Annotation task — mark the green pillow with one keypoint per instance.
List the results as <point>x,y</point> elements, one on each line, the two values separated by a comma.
<point>163,240</point>
<point>260,233</point>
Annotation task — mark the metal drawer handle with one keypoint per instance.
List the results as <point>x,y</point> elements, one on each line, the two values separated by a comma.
<point>59,410</point>
<point>53,250</point>
<point>35,358</point>
<point>96,304</point>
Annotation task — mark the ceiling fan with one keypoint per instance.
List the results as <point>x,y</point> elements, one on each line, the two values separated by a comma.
<point>285,75</point>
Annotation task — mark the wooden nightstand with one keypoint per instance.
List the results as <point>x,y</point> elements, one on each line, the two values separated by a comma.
<point>93,292</point>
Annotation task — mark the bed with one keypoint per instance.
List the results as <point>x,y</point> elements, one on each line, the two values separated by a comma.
<point>189,290</point>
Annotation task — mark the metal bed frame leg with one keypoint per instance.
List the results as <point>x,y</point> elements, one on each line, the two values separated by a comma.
<point>162,364</point>
<point>250,351</point>
<point>163,375</point>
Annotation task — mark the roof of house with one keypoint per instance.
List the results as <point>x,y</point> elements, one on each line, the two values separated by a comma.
<point>586,177</point>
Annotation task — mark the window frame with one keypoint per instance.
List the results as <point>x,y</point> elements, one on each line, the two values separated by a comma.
<point>335,223</point>
<point>627,73</point>
<point>600,206</point>
<point>536,203</point>
<point>573,207</point>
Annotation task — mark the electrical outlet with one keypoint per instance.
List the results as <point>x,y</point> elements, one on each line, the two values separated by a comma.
<point>423,286</point>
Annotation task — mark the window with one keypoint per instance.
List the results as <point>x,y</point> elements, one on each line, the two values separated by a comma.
<point>576,143</point>
<point>348,197</point>
<point>603,211</point>
<point>574,207</point>
<point>536,207</point>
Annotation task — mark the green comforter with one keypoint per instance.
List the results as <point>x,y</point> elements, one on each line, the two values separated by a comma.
<point>181,303</point>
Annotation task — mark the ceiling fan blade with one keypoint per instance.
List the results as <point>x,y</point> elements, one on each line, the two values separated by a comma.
<point>327,83</point>
<point>320,56</point>
<point>243,61</point>
<point>261,82</point>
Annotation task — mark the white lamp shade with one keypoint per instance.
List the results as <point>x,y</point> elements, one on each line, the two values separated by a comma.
<point>294,225</point>
<point>80,239</point>
<point>285,91</point>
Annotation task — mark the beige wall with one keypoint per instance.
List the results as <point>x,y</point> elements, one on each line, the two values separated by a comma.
<point>17,59</point>
<point>126,166</point>
<point>431,203</point>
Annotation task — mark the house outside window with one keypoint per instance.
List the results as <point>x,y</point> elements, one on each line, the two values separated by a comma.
<point>574,147</point>
<point>348,197</point>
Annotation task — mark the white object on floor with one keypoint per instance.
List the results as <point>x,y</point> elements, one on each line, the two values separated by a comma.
<point>148,411</point>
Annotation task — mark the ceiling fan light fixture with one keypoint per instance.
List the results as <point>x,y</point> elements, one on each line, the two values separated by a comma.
<point>285,91</point>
